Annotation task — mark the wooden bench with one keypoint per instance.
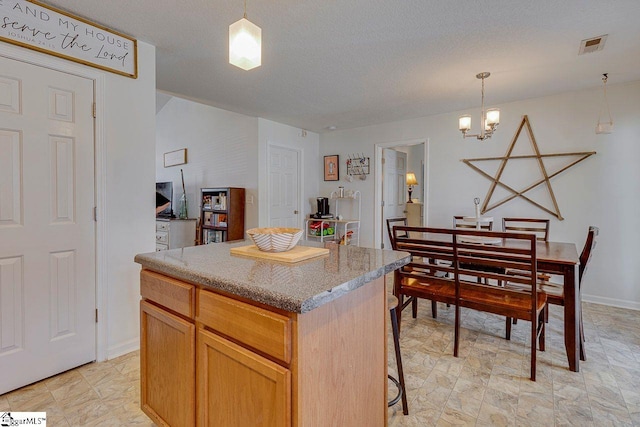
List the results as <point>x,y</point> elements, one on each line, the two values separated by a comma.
<point>445,267</point>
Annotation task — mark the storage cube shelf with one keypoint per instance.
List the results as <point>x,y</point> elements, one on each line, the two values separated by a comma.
<point>221,214</point>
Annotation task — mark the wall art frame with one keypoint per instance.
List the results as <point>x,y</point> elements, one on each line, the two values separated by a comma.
<point>332,167</point>
<point>176,157</point>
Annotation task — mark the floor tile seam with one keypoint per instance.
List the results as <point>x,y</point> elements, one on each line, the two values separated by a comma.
<point>556,409</point>
<point>626,406</point>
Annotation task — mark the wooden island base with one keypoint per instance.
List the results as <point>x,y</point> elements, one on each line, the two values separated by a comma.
<point>210,359</point>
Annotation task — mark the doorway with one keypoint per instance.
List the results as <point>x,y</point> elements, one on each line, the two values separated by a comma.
<point>47,226</point>
<point>417,162</point>
<point>283,171</point>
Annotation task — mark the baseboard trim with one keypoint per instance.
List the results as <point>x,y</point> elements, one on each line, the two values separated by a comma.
<point>123,348</point>
<point>613,302</point>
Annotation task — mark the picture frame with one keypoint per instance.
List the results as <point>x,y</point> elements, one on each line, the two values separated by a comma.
<point>174,158</point>
<point>56,32</point>
<point>332,168</point>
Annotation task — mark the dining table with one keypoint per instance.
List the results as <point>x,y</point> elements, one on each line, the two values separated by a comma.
<point>562,259</point>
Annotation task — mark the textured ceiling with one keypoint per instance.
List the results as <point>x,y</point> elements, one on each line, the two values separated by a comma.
<point>350,63</point>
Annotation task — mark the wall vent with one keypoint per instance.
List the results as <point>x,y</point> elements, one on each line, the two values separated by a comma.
<point>593,44</point>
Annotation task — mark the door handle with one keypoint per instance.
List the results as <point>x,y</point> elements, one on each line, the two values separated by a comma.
<point>295,212</point>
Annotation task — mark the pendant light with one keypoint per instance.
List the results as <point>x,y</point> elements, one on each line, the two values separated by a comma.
<point>604,126</point>
<point>245,43</point>
<point>489,121</point>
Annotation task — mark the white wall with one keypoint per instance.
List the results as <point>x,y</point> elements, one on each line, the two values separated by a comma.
<point>277,134</point>
<point>602,190</point>
<point>130,147</point>
<point>222,151</point>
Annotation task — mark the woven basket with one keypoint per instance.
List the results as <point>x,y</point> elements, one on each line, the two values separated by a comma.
<point>275,239</point>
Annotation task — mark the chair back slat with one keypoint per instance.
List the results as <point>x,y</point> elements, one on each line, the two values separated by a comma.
<point>537,226</point>
<point>587,251</point>
<point>459,222</point>
<point>391,222</point>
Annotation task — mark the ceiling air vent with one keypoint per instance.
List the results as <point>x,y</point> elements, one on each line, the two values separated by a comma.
<point>593,44</point>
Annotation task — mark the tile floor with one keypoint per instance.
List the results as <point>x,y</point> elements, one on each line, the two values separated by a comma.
<point>488,385</point>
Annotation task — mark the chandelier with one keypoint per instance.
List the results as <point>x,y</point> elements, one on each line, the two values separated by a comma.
<point>245,43</point>
<point>489,121</point>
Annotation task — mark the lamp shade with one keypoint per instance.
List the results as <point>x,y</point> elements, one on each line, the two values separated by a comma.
<point>245,44</point>
<point>464,123</point>
<point>493,116</point>
<point>411,179</point>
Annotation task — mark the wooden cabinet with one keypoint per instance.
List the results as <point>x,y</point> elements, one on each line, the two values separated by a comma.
<point>175,233</point>
<point>221,214</point>
<point>167,367</point>
<point>167,350</point>
<point>209,359</point>
<point>414,214</point>
<point>237,387</point>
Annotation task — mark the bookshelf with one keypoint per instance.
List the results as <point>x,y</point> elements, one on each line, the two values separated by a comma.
<point>221,214</point>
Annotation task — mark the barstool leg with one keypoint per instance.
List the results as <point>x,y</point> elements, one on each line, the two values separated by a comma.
<point>396,345</point>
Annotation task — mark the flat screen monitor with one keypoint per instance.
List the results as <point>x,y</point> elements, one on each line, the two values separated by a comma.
<point>164,199</point>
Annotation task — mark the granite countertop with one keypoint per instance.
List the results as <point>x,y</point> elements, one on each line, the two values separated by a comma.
<point>297,287</point>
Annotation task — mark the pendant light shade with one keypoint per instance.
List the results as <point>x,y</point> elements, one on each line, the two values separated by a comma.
<point>245,44</point>
<point>605,122</point>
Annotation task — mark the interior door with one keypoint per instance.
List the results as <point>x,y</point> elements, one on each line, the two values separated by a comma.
<point>393,188</point>
<point>47,230</point>
<point>284,176</point>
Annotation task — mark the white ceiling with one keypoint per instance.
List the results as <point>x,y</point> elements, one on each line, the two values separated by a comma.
<point>350,63</point>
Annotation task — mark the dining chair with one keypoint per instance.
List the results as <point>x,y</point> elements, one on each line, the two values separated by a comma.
<point>537,226</point>
<point>403,221</point>
<point>445,277</point>
<point>459,222</point>
<point>391,222</point>
<point>555,291</point>
<point>486,225</point>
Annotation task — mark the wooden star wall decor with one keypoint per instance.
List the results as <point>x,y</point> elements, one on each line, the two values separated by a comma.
<point>546,177</point>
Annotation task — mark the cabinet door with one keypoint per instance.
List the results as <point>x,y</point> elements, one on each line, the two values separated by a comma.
<point>167,367</point>
<point>237,387</point>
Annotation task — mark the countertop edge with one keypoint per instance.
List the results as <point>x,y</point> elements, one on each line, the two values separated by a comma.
<point>273,299</point>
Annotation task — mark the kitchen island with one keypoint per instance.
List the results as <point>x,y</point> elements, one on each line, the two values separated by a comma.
<point>236,341</point>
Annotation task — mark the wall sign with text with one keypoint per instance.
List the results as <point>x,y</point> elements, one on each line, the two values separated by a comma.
<point>41,27</point>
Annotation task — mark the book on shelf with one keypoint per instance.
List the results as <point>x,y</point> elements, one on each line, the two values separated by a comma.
<point>207,218</point>
<point>215,220</point>
<point>214,236</point>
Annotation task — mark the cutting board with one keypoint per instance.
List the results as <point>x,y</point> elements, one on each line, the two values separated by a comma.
<point>298,253</point>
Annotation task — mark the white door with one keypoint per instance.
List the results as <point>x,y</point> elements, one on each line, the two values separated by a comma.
<point>393,188</point>
<point>284,178</point>
<point>47,231</point>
